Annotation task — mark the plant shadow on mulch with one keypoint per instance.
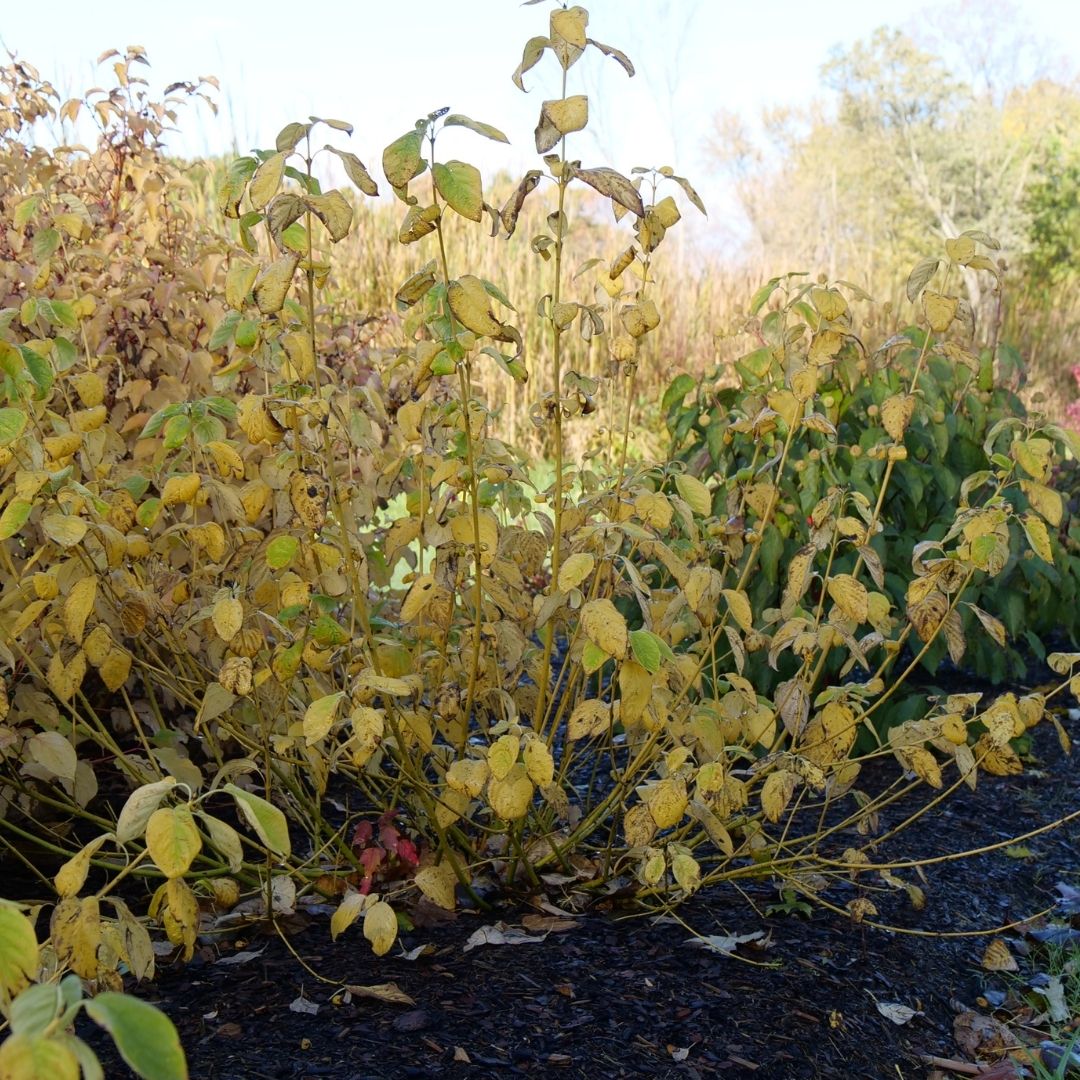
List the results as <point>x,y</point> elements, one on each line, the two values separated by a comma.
<point>629,997</point>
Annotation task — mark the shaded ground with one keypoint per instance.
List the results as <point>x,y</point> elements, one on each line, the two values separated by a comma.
<point>629,997</point>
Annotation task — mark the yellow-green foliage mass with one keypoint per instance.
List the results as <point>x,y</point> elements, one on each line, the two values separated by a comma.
<point>259,589</point>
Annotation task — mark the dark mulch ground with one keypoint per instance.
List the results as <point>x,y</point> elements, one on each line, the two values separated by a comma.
<point>629,997</point>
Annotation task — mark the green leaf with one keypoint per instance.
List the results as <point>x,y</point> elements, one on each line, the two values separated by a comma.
<point>177,429</point>
<point>680,386</point>
<point>65,355</point>
<point>157,421</point>
<point>281,551</point>
<point>646,649</point>
<point>24,211</point>
<point>145,1036</point>
<point>18,950</point>
<point>266,819</point>
<point>489,132</point>
<point>63,314</point>
<point>35,1008</point>
<point>14,517</point>
<point>460,185</point>
<point>12,424</point>
<point>45,244</point>
<point>593,658</point>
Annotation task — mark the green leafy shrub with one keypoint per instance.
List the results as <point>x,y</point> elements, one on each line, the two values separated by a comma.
<point>310,613</point>
<point>914,425</point>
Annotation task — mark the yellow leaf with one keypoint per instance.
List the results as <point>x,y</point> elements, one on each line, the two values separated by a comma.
<point>925,766</point>
<point>347,912</point>
<point>1033,456</point>
<point>653,866</point>
<point>511,796</point>
<point>502,755</point>
<point>437,883</point>
<point>638,826</point>
<point>997,957</point>
<point>739,606</point>
<point>830,303</point>
<point>173,840</point>
<point>776,793</point>
<point>181,915</point>
<point>230,465</point>
<point>76,934</point>
<point>696,494</point>
<point>180,489</point>
<point>850,596</point>
<point>635,690</point>
<point>238,282</point>
<point>301,362</point>
<point>558,118</point>
<point>940,310</point>
<point>539,763</point>
<point>309,493</point>
<point>655,510</point>
<point>896,413</point>
<point>380,927</point>
<point>71,877</point>
<point>273,286</point>
<point>266,181</point>
<point>63,680</point>
<point>703,590</point>
<point>1044,500</point>
<point>468,776</point>
<point>420,594</point>
<point>960,249</point>
<point>799,574</point>
<point>575,570</point>
<point>77,607</point>
<point>604,626</point>
<point>589,719</point>
<point>786,405</point>
<point>227,617</point>
<point>256,422</point>
<point>461,527</point>
<point>685,869</point>
<point>667,801</point>
<point>829,735</point>
<point>66,529</point>
<point>319,717</point>
<point>26,1056</point>
<point>115,668</point>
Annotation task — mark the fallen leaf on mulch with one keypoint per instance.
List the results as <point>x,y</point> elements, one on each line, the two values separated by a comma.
<point>981,1036</point>
<point>548,923</point>
<point>389,992</point>
<point>499,934</point>
<point>303,1005</point>
<point>898,1014</point>
<point>726,944</point>
<point>998,958</point>
<point>1069,900</point>
<point>240,957</point>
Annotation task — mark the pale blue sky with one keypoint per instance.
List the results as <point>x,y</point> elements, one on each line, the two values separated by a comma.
<point>381,64</point>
